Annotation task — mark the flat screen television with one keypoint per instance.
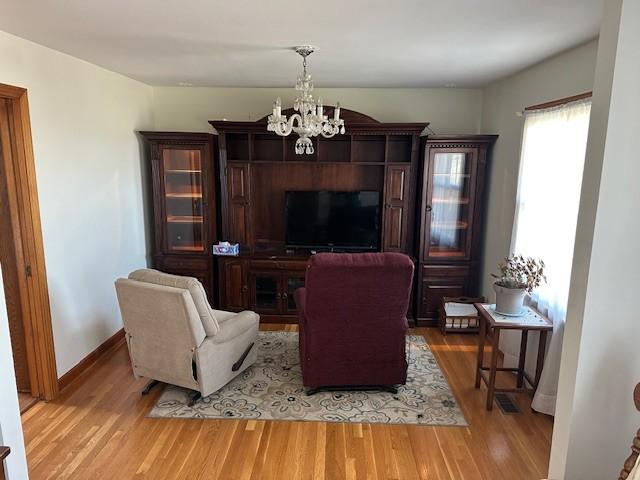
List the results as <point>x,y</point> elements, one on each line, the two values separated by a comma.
<point>333,220</point>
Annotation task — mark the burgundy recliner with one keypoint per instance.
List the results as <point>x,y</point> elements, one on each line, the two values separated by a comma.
<point>352,320</point>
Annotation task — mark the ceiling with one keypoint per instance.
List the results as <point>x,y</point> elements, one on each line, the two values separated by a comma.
<point>361,43</point>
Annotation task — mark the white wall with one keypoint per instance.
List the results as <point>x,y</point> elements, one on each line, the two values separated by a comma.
<point>190,108</point>
<point>567,74</point>
<point>89,173</point>
<point>596,419</point>
<point>10,426</point>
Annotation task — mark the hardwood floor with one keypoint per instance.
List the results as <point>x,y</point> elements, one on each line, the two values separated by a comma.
<point>97,430</point>
<point>26,401</point>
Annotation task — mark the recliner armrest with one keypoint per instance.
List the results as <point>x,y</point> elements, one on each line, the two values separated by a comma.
<point>235,326</point>
<point>300,297</point>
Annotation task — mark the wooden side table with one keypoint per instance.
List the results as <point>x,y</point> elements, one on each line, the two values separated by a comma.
<point>491,324</point>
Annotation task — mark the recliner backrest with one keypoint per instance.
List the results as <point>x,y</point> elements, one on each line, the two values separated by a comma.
<point>355,309</point>
<point>163,330</point>
<point>344,286</point>
<point>193,285</point>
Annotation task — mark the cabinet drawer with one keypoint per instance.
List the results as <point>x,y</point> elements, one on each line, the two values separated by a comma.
<point>278,265</point>
<point>446,271</point>
<point>434,289</point>
<point>437,281</point>
<point>185,263</point>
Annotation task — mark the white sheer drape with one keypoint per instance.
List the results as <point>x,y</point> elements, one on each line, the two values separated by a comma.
<point>551,164</point>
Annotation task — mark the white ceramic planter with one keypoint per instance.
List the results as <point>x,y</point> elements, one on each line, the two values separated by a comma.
<point>509,300</point>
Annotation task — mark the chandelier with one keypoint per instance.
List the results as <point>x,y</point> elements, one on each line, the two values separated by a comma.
<point>310,120</point>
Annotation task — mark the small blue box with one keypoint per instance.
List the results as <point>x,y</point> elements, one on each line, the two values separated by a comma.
<point>226,249</point>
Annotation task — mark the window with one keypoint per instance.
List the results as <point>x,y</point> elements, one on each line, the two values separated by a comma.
<point>552,160</point>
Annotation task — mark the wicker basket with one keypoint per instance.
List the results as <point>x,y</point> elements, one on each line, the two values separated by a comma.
<point>457,314</point>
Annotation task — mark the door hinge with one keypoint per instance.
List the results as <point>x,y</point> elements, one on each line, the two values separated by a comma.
<point>27,270</point>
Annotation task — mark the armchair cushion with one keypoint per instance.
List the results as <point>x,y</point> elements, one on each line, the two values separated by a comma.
<point>241,322</point>
<point>195,288</point>
<point>222,316</point>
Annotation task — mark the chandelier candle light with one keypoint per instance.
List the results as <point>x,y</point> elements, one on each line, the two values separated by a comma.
<point>310,120</point>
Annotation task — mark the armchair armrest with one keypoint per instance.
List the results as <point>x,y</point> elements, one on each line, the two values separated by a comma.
<point>235,326</point>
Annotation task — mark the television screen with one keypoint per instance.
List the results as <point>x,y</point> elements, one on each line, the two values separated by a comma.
<point>335,220</point>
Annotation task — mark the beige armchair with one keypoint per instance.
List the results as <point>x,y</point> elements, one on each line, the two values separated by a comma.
<point>175,337</point>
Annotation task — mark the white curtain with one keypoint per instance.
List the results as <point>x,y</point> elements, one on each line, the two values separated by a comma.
<point>551,164</point>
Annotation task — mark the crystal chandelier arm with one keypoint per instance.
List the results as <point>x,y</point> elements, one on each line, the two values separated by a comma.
<point>329,134</point>
<point>284,127</point>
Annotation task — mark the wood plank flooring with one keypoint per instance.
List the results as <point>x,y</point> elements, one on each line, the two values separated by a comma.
<point>97,430</point>
<point>26,401</point>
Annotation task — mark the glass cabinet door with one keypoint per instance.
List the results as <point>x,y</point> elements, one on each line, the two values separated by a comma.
<point>449,208</point>
<point>292,283</point>
<point>182,171</point>
<point>266,292</point>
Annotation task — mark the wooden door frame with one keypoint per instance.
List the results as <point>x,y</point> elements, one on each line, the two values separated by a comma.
<point>19,166</point>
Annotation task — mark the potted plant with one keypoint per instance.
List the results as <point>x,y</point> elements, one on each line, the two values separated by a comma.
<point>518,275</point>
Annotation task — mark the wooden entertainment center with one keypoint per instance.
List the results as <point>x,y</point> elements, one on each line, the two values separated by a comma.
<point>232,187</point>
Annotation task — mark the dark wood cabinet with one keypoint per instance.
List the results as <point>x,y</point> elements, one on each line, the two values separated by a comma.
<point>451,219</point>
<point>183,175</point>
<point>432,192</point>
<point>191,266</point>
<point>257,168</point>
<point>263,284</point>
<point>441,281</point>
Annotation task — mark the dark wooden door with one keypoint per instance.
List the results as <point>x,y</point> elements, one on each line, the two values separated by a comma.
<point>396,208</point>
<point>238,203</point>
<point>10,267</point>
<point>235,295</point>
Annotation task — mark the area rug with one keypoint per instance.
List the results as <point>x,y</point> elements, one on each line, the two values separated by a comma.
<point>272,389</point>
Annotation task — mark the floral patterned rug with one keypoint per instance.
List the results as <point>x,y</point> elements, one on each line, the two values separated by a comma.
<point>272,389</point>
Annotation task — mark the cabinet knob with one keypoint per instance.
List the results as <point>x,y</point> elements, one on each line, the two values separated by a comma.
<point>284,295</point>
<point>428,208</point>
<point>245,288</point>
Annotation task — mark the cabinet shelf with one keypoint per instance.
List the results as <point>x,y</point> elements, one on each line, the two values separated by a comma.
<point>196,247</point>
<point>452,174</point>
<point>442,252</point>
<point>450,225</point>
<point>457,201</point>
<point>183,171</point>
<point>184,219</point>
<point>183,195</point>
